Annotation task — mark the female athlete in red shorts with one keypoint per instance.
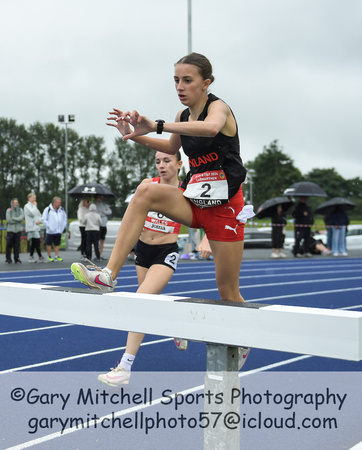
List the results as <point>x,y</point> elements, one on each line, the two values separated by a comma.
<point>212,197</point>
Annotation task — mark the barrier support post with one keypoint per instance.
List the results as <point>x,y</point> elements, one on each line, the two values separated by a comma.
<point>222,407</point>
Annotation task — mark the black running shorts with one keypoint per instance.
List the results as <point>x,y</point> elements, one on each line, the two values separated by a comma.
<point>147,255</point>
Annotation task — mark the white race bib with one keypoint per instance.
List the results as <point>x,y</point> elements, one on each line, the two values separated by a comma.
<point>158,222</point>
<point>172,259</point>
<point>208,188</point>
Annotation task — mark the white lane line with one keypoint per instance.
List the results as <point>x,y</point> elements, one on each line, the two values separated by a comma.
<point>267,298</point>
<point>29,330</point>
<point>244,286</point>
<point>292,271</point>
<point>83,355</point>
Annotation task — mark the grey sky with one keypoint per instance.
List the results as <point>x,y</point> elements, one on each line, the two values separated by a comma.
<point>290,69</point>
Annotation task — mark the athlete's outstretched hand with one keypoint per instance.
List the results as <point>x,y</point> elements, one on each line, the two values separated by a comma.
<point>141,124</point>
<point>121,125</point>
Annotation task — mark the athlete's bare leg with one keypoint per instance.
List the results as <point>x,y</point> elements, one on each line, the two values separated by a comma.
<point>227,258</point>
<point>148,197</point>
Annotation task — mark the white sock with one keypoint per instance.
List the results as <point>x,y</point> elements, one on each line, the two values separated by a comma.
<point>127,361</point>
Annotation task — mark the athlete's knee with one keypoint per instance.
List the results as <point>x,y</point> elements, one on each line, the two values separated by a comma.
<point>141,189</point>
<point>143,194</point>
<point>151,194</point>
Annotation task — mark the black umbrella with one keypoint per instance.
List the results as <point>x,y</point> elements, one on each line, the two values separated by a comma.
<point>90,189</point>
<point>305,189</point>
<point>269,207</point>
<point>329,206</point>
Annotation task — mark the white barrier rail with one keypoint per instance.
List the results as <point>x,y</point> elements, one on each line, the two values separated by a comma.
<point>312,331</point>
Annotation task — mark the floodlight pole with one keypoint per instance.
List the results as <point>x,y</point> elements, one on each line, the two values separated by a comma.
<point>71,118</point>
<point>66,184</point>
<point>189,21</point>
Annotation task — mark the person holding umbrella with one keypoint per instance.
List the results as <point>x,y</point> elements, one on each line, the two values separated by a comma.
<point>276,208</point>
<point>104,211</point>
<point>327,222</point>
<point>335,209</point>
<point>83,208</point>
<point>92,221</point>
<point>304,220</point>
<point>339,222</point>
<point>278,233</point>
<point>98,192</point>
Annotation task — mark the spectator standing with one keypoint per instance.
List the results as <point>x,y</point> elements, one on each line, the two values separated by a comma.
<point>104,210</point>
<point>327,221</point>
<point>302,227</point>
<point>32,227</point>
<point>55,220</point>
<point>278,233</point>
<point>339,222</point>
<point>83,208</point>
<point>92,222</point>
<point>14,217</point>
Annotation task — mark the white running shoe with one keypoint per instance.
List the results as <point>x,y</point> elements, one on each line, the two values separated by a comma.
<point>95,278</point>
<point>118,375</point>
<point>282,255</point>
<point>181,344</point>
<point>243,354</point>
<point>274,255</point>
<point>31,259</point>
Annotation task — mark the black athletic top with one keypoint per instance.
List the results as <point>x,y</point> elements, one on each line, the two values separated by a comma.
<point>213,153</point>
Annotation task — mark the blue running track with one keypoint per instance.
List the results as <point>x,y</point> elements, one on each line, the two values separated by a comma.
<point>75,354</point>
<point>38,345</point>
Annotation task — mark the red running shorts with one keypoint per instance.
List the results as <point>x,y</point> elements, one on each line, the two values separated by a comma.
<point>219,222</point>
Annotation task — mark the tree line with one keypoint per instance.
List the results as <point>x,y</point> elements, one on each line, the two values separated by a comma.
<point>32,159</point>
<point>275,172</point>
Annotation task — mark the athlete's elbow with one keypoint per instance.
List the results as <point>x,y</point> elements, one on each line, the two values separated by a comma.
<point>213,131</point>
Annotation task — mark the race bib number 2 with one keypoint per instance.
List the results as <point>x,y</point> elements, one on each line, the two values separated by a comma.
<point>208,188</point>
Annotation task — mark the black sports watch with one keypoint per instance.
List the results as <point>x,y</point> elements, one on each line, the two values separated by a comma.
<point>160,123</point>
